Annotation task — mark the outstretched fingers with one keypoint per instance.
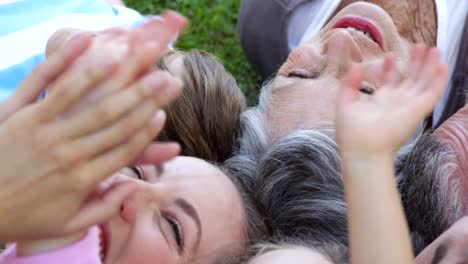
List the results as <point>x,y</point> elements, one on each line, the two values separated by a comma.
<point>352,85</point>
<point>146,45</point>
<point>156,87</point>
<point>101,207</point>
<point>435,88</point>
<point>418,54</point>
<point>120,156</point>
<point>431,65</point>
<point>158,153</point>
<point>117,135</point>
<point>44,75</point>
<point>390,76</point>
<point>166,29</point>
<point>429,84</point>
<point>83,76</point>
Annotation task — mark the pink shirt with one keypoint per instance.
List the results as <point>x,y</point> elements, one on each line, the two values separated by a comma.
<point>85,251</point>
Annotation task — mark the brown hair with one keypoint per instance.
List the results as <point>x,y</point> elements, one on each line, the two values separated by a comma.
<point>205,118</point>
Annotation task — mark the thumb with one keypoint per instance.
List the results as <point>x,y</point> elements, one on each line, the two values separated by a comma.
<point>100,208</point>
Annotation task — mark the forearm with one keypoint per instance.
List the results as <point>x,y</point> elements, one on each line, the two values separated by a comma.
<point>375,212</point>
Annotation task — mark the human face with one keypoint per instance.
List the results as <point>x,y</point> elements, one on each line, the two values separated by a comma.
<point>188,210</point>
<point>290,255</point>
<point>305,89</point>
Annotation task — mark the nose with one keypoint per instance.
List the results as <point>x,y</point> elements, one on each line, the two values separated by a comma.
<point>341,52</point>
<point>145,198</point>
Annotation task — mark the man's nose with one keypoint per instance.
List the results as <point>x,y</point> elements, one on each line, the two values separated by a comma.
<point>342,51</point>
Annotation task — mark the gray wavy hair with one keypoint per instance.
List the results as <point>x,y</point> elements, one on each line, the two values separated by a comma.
<point>298,186</point>
<point>430,190</point>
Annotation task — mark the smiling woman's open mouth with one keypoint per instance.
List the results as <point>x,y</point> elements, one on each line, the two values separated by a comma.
<point>103,241</point>
<point>364,26</point>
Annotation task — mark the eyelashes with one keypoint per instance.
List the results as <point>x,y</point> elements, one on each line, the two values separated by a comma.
<point>296,75</point>
<point>138,173</point>
<point>366,90</point>
<point>177,231</point>
<point>301,75</point>
<point>173,224</point>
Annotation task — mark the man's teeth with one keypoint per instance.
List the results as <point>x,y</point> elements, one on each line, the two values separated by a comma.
<point>367,34</point>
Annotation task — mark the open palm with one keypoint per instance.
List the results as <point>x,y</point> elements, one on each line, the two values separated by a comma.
<point>384,121</point>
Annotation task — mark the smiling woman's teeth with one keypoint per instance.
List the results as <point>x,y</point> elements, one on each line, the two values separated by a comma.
<point>101,246</point>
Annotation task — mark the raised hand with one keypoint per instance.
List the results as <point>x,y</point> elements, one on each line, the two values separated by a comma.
<point>383,122</point>
<point>370,129</point>
<point>59,149</point>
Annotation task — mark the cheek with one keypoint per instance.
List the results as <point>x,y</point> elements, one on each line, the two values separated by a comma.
<point>146,245</point>
<point>303,107</point>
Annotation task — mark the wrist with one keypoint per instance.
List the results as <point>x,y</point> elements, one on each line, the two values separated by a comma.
<point>29,248</point>
<point>364,157</point>
<point>360,164</point>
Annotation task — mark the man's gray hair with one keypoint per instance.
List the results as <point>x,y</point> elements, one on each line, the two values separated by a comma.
<point>298,184</point>
<point>430,190</point>
<point>254,137</point>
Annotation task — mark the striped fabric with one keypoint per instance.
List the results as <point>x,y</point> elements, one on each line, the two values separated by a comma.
<point>27,24</point>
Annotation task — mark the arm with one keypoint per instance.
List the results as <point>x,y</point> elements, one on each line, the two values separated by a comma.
<point>376,216</point>
<point>370,130</point>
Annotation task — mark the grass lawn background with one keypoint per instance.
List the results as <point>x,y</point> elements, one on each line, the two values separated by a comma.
<point>213,28</point>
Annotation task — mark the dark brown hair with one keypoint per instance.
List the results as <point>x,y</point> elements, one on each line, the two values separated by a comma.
<point>205,118</point>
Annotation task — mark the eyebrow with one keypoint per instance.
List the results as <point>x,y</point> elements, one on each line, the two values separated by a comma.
<point>192,213</point>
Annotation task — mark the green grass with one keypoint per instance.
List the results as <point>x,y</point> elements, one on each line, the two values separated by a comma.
<point>213,28</point>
